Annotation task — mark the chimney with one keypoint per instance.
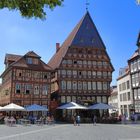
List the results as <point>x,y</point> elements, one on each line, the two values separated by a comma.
<point>57,47</point>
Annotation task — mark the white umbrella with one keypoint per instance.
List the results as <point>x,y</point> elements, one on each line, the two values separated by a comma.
<point>1,107</point>
<point>72,105</point>
<point>100,106</point>
<point>12,107</point>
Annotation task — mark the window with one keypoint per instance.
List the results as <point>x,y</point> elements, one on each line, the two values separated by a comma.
<point>99,74</point>
<point>74,62</point>
<point>63,84</point>
<point>104,63</point>
<point>94,63</point>
<point>68,99</point>
<point>98,99</point>
<point>84,74</point>
<point>121,99</point>
<point>29,60</point>
<point>128,94</point>
<point>124,97</point>
<point>133,80</point>
<point>73,98</point>
<point>120,87</point>
<point>94,73</point>
<point>36,89</point>
<point>128,86</point>
<point>104,74</point>
<point>89,63</point>
<point>45,90</point>
<point>94,85</point>
<point>132,67</point>
<point>85,62</point>
<point>135,94</point>
<point>109,74</point>
<point>68,85</point>
<point>69,61</point>
<point>104,85</point>
<point>63,99</point>
<point>139,64</point>
<point>74,72</point>
<point>74,85</point>
<point>79,62</point>
<point>18,87</point>
<point>136,79</point>
<point>69,72</point>
<point>80,85</point>
<point>19,74</point>
<point>64,62</point>
<point>104,99</point>
<point>45,76</point>
<point>63,72</point>
<point>99,85</point>
<point>99,63</point>
<point>89,74</point>
<point>27,89</point>
<point>84,86</point>
<point>135,65</point>
<point>79,73</point>
<point>89,85</point>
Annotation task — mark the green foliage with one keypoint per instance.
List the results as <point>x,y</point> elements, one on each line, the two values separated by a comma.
<point>30,8</point>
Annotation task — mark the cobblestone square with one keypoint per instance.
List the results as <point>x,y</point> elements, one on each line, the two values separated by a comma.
<point>70,132</point>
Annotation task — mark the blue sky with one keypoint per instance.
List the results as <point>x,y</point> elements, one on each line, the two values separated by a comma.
<point>118,22</point>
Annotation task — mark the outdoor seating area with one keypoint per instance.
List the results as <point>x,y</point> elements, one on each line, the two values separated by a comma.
<point>13,114</point>
<point>36,114</point>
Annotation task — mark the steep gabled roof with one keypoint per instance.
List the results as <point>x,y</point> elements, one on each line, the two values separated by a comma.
<point>84,34</point>
<point>22,63</point>
<point>32,54</point>
<point>11,57</point>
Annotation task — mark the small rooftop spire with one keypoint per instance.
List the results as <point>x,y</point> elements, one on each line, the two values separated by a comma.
<point>87,4</point>
<point>138,40</point>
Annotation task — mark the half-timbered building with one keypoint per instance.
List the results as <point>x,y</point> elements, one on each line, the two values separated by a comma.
<point>25,81</point>
<point>83,69</point>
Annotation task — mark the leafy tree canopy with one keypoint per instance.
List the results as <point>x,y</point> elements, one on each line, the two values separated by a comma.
<point>30,8</point>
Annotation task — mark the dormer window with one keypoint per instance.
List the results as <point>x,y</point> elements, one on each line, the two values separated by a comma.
<point>45,76</point>
<point>19,74</point>
<point>29,60</point>
<point>75,62</point>
<point>92,40</point>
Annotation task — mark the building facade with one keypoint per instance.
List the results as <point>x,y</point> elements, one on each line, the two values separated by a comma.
<point>25,81</point>
<point>113,101</point>
<point>134,65</point>
<point>83,70</point>
<point>125,96</point>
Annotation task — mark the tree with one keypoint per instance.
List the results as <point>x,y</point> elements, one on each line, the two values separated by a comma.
<point>30,8</point>
<point>138,1</point>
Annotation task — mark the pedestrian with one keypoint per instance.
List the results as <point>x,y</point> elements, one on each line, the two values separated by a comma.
<point>135,118</point>
<point>78,120</point>
<point>124,119</point>
<point>74,120</point>
<point>94,119</point>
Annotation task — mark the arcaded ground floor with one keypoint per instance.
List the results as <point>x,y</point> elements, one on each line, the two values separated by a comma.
<point>71,132</point>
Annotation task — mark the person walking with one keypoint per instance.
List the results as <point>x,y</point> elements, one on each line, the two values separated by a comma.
<point>74,120</point>
<point>78,119</point>
<point>94,119</point>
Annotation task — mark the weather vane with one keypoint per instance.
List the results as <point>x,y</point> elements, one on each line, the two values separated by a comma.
<point>87,4</point>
